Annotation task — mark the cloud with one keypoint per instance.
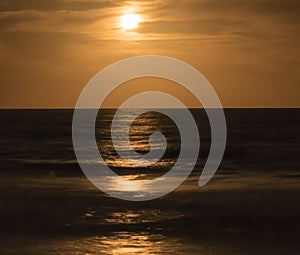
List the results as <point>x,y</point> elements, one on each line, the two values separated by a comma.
<point>260,18</point>
<point>271,7</point>
<point>50,5</point>
<point>256,20</point>
<point>201,26</point>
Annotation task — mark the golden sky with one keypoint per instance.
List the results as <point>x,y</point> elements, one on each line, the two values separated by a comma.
<point>248,50</point>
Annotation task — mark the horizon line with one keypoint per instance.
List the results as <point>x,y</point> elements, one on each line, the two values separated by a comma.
<point>114,108</point>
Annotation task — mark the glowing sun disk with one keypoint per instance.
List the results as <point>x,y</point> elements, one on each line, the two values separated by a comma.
<point>130,21</point>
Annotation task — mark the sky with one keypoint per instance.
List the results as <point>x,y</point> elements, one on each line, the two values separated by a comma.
<point>248,50</point>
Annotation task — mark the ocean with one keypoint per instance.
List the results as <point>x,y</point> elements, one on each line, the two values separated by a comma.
<point>251,206</point>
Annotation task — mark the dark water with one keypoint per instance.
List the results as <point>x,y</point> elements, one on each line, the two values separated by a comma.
<point>38,141</point>
<point>47,206</point>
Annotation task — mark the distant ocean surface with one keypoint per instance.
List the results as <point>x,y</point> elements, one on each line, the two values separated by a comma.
<point>39,141</point>
<point>251,206</point>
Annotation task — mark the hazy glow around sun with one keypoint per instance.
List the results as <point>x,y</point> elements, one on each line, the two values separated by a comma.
<point>130,21</point>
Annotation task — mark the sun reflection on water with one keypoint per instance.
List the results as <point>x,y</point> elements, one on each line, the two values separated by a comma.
<point>125,243</point>
<point>128,243</point>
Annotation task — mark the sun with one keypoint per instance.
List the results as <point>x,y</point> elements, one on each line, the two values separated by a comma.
<point>130,21</point>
